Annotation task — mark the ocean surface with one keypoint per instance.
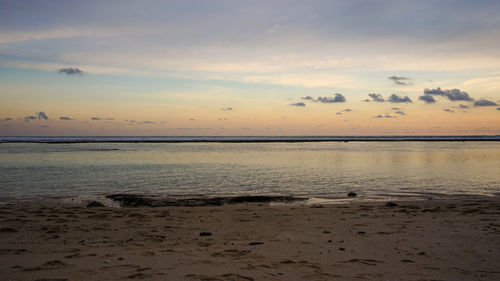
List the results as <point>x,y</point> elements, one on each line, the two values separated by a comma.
<point>374,169</point>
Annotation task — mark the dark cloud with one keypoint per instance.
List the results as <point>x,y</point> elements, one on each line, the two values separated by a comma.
<point>484,102</point>
<point>400,112</point>
<point>95,118</point>
<point>396,108</point>
<point>227,109</point>
<point>448,110</point>
<point>298,104</point>
<point>307,98</point>
<point>400,80</point>
<point>339,113</point>
<point>29,118</point>
<point>387,115</point>
<point>463,106</point>
<point>453,94</point>
<point>498,108</point>
<point>38,115</point>
<point>427,99</point>
<point>42,115</point>
<point>337,98</point>
<point>70,71</point>
<point>376,97</point>
<point>347,110</point>
<point>397,99</point>
<point>6,119</point>
<point>65,118</point>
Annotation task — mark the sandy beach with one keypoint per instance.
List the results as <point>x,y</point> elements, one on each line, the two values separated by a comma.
<point>452,239</point>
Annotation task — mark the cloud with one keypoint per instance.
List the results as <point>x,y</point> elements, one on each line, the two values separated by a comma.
<point>376,97</point>
<point>396,108</point>
<point>307,98</point>
<point>463,106</point>
<point>299,104</point>
<point>65,118</point>
<point>453,94</point>
<point>191,119</point>
<point>6,119</point>
<point>400,80</point>
<point>498,108</point>
<point>397,99</point>
<point>400,112</point>
<point>70,71</point>
<point>95,118</point>
<point>339,113</point>
<point>484,102</point>
<point>147,122</point>
<point>338,98</point>
<point>427,99</point>
<point>42,115</point>
<point>110,119</point>
<point>448,110</point>
<point>347,110</point>
<point>227,109</point>
<point>38,115</point>
<point>387,115</point>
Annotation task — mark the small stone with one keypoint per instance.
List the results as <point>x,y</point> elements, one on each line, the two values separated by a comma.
<point>255,243</point>
<point>205,233</point>
<point>94,204</point>
<point>341,249</point>
<point>390,204</point>
<point>352,194</point>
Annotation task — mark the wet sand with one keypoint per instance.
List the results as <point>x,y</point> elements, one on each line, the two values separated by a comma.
<point>453,239</point>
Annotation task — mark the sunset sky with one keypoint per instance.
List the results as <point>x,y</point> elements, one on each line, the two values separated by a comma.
<point>249,68</point>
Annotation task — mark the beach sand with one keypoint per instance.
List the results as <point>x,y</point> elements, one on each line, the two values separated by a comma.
<point>453,239</point>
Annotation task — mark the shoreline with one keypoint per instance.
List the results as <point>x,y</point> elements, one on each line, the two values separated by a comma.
<point>412,240</point>
<point>242,139</point>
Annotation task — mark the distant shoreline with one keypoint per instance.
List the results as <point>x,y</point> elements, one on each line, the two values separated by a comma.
<point>261,139</point>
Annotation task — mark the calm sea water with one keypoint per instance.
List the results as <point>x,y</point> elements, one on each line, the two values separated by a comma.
<point>320,169</point>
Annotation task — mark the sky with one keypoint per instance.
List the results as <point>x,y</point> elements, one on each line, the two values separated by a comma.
<point>236,68</point>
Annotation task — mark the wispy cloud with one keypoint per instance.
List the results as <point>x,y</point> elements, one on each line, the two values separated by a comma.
<point>400,80</point>
<point>335,99</point>
<point>6,119</point>
<point>227,109</point>
<point>484,102</point>
<point>70,71</point>
<point>448,110</point>
<point>299,104</point>
<point>65,118</point>
<point>400,112</point>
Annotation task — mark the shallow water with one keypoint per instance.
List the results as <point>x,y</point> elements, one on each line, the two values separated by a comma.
<point>320,169</point>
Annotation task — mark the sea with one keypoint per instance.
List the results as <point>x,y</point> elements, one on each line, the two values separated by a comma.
<point>375,168</point>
